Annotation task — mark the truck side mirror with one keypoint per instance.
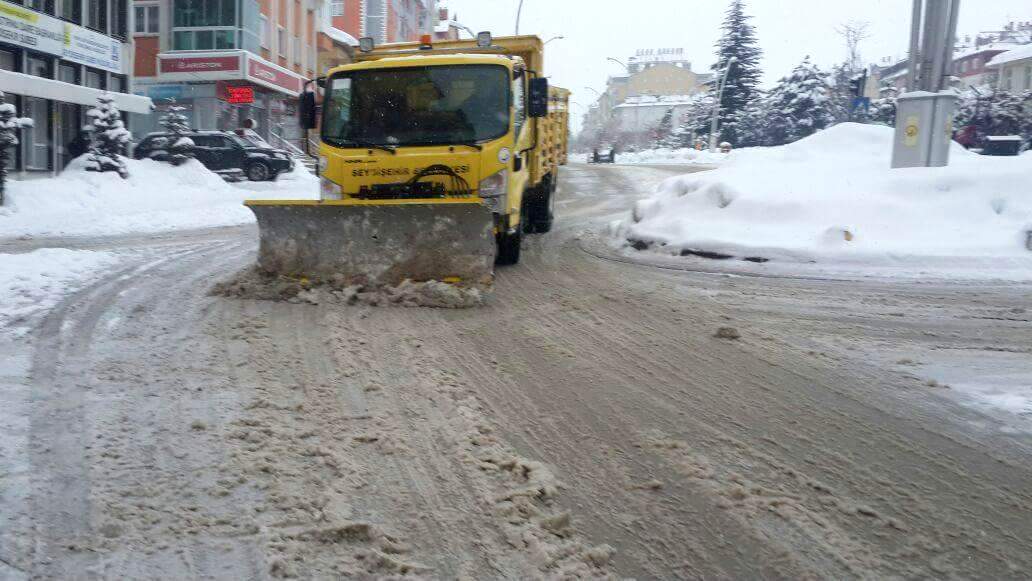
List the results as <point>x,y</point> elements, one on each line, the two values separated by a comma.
<point>307,110</point>
<point>538,106</point>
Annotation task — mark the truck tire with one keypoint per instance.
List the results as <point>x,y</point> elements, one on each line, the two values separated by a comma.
<point>509,247</point>
<point>541,209</point>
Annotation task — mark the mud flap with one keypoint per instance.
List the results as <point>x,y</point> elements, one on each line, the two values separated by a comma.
<point>373,244</point>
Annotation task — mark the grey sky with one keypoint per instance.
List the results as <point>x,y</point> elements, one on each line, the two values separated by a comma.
<point>788,30</point>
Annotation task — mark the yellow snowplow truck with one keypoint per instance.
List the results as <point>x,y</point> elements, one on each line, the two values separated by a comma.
<point>434,160</point>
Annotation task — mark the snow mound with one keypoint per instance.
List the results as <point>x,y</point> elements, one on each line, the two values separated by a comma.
<point>156,197</point>
<point>833,196</point>
<point>34,282</point>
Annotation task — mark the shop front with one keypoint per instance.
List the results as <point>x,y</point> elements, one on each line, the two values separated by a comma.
<point>53,71</point>
<point>227,90</point>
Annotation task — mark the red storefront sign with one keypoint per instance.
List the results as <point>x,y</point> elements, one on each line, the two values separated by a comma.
<point>239,95</point>
<point>200,64</point>
<point>262,73</point>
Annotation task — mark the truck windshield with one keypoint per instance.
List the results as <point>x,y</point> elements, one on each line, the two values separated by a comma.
<point>437,105</point>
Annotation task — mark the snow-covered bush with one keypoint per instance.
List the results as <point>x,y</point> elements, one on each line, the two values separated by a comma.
<point>109,138</point>
<point>10,125</point>
<point>995,113</point>
<point>178,147</point>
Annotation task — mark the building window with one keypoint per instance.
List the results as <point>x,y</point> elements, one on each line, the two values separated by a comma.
<point>37,142</point>
<point>96,15</point>
<point>202,13</point>
<point>375,22</point>
<point>68,73</point>
<point>119,84</point>
<point>39,66</point>
<point>8,60</point>
<point>337,8</point>
<point>264,32</point>
<point>40,5</point>
<point>147,20</point>
<point>71,10</point>
<point>281,41</point>
<point>95,79</point>
<point>1028,78</point>
<point>296,50</point>
<point>1008,78</point>
<point>119,18</point>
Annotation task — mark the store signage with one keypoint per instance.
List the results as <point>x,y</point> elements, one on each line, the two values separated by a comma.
<point>47,34</point>
<point>200,65</point>
<point>266,74</point>
<point>239,95</point>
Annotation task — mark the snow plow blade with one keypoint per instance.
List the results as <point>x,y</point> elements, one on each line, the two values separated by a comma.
<point>377,243</point>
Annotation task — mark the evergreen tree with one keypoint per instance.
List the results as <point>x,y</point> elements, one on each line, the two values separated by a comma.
<point>108,138</point>
<point>664,129</point>
<point>694,121</point>
<point>180,147</point>
<point>998,113</point>
<point>738,48</point>
<point>10,126</point>
<point>800,105</point>
<point>754,123</point>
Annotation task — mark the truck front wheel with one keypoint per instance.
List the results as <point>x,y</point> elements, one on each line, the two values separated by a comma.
<point>541,209</point>
<point>509,247</point>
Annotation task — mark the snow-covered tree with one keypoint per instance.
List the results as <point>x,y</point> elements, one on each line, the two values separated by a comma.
<point>109,138</point>
<point>738,47</point>
<point>663,131</point>
<point>694,121</point>
<point>179,146</point>
<point>800,105</point>
<point>10,126</point>
<point>883,109</point>
<point>753,124</point>
<point>995,113</point>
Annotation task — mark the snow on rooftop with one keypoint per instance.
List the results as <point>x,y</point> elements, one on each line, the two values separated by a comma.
<point>993,47</point>
<point>338,35</point>
<point>657,101</point>
<point>1017,54</point>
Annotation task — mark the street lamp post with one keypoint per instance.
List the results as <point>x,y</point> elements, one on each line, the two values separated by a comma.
<point>519,12</point>
<point>619,62</point>
<point>715,123</point>
<point>554,38</point>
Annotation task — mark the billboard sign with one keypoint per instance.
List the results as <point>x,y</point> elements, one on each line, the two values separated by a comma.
<point>39,32</point>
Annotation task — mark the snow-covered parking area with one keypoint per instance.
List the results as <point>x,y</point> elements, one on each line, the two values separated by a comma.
<point>832,200</point>
<point>155,198</point>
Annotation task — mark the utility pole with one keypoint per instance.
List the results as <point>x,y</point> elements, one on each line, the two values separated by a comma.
<point>924,115</point>
<point>715,122</point>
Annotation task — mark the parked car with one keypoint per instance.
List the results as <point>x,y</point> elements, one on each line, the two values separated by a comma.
<point>223,153</point>
<point>603,156</point>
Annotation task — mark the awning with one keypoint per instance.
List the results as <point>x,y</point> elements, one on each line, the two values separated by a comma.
<point>30,86</point>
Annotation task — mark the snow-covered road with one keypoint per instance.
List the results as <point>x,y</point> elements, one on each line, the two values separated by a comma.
<point>586,422</point>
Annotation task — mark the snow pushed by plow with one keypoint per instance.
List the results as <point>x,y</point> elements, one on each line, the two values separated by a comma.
<point>255,284</point>
<point>156,197</point>
<point>832,198</point>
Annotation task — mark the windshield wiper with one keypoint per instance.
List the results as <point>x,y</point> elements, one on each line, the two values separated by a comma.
<point>364,144</point>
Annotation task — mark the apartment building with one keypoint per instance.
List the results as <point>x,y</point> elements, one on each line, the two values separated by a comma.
<point>231,63</point>
<point>56,58</point>
<point>384,20</point>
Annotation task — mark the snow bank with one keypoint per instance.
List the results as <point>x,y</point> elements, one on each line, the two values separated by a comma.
<point>34,282</point>
<point>833,196</point>
<point>156,197</point>
<point>685,156</point>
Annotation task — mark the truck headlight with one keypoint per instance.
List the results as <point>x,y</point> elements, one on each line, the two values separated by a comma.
<point>329,190</point>
<point>494,190</point>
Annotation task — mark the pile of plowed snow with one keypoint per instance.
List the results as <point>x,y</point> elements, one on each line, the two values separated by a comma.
<point>156,197</point>
<point>833,197</point>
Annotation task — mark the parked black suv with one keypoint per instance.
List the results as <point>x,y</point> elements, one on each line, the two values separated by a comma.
<point>223,153</point>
